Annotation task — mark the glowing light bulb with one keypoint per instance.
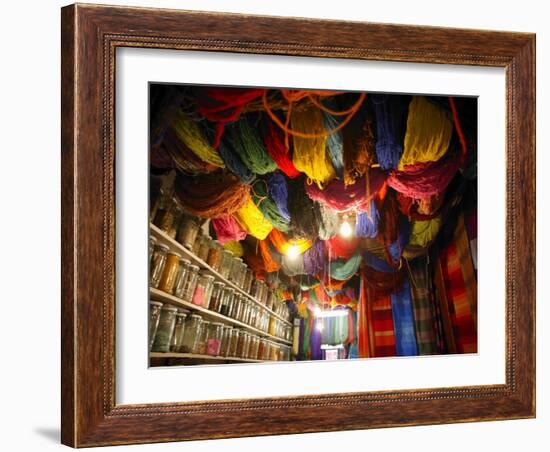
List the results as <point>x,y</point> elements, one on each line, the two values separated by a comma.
<point>345,229</point>
<point>293,251</point>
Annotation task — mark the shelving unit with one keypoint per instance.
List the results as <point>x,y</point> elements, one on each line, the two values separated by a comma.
<point>171,355</point>
<point>176,246</point>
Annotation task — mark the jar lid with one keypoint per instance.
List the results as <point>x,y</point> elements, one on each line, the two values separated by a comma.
<point>163,246</point>
<point>152,238</point>
<point>196,316</point>
<point>216,323</point>
<point>185,261</point>
<point>156,303</point>
<point>207,276</point>
<point>181,313</point>
<point>194,268</point>
<point>175,253</point>
<point>168,307</point>
<point>219,283</point>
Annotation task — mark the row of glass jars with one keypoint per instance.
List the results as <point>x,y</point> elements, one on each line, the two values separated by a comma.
<point>175,330</point>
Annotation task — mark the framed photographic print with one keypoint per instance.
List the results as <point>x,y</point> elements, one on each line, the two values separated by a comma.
<point>278,225</point>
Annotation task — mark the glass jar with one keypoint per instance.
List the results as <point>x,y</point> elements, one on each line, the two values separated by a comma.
<point>197,244</point>
<point>177,214</point>
<point>203,337</point>
<point>156,193</point>
<point>227,261</point>
<point>227,301</point>
<point>254,346</point>
<point>255,289</point>
<point>269,301</point>
<point>214,255</point>
<point>252,316</point>
<point>181,278</point>
<point>165,329</point>
<point>261,349</point>
<point>158,261</point>
<point>163,215</point>
<point>233,339</point>
<point>236,269</point>
<point>218,295</point>
<point>214,339</point>
<point>233,303</point>
<point>188,231</point>
<point>203,290</point>
<point>226,336</point>
<point>179,329</point>
<point>154,316</point>
<point>191,282</point>
<point>204,247</point>
<point>152,243</point>
<point>246,344</point>
<point>248,279</point>
<point>242,344</point>
<point>168,278</point>
<point>272,325</point>
<point>191,333</point>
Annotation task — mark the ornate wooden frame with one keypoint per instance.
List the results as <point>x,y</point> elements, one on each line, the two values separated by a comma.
<point>90,35</point>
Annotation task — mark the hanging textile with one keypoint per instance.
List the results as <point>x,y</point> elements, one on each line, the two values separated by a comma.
<point>252,220</point>
<point>458,290</point>
<point>235,247</point>
<point>227,228</point>
<point>391,119</point>
<point>423,233</point>
<point>281,243</point>
<point>278,191</point>
<point>424,315</point>
<point>341,198</point>
<point>429,131</point>
<point>382,323</point>
<point>191,134</point>
<point>388,224</point>
<point>304,213</point>
<point>403,320</point>
<point>340,247</point>
<point>314,258</point>
<point>234,163</point>
<point>183,158</point>
<point>310,156</point>
<point>366,223</point>
<point>293,266</point>
<point>328,222</point>
<point>365,343</point>
<point>271,261</point>
<point>223,105</point>
<point>211,195</point>
<point>335,145</point>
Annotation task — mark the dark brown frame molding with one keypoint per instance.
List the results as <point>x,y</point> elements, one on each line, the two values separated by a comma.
<point>90,35</point>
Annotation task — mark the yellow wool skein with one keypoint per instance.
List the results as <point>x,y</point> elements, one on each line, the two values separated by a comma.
<point>252,220</point>
<point>429,131</point>
<point>192,136</point>
<point>235,247</point>
<point>310,155</point>
<point>423,232</point>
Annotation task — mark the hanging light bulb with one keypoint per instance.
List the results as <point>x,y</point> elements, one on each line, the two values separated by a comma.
<point>293,251</point>
<point>345,228</point>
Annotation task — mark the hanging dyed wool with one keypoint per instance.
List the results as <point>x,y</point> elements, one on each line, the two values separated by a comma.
<point>278,191</point>
<point>272,262</point>
<point>420,209</point>
<point>304,213</point>
<point>255,263</point>
<point>246,141</point>
<point>191,134</point>
<point>403,320</point>
<point>235,247</point>
<point>227,228</point>
<point>234,163</point>
<point>424,232</point>
<point>268,207</point>
<point>382,281</point>
<point>277,149</point>
<point>252,220</point>
<point>359,153</point>
<point>335,144</point>
<point>395,250</point>
<point>377,263</point>
<point>388,224</point>
<point>342,198</point>
<point>212,195</point>
<point>282,244</point>
<point>223,105</point>
<point>314,258</point>
<point>343,270</point>
<point>340,247</point>
<point>328,222</point>
<point>424,315</point>
<point>365,340</point>
<point>310,156</point>
<point>184,159</point>
<point>366,223</point>
<point>425,179</point>
<point>391,120</point>
<point>429,131</point>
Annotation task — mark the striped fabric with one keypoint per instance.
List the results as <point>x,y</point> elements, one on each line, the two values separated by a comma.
<point>460,287</point>
<point>382,324</point>
<point>403,320</point>
<point>425,319</point>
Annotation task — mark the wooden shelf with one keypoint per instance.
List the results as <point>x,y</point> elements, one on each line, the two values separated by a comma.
<point>192,356</point>
<point>159,295</point>
<point>176,246</point>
